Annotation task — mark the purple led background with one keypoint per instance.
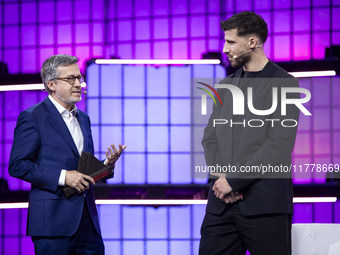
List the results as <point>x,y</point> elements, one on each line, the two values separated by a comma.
<point>31,31</point>
<point>317,134</point>
<point>167,236</point>
<point>151,115</point>
<point>172,230</point>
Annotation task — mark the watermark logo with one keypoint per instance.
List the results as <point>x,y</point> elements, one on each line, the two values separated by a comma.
<point>204,97</point>
<point>238,103</point>
<point>238,99</point>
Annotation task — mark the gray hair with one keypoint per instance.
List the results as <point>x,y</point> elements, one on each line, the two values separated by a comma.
<point>49,69</point>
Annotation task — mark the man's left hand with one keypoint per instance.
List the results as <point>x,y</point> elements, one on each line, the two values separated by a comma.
<point>113,154</point>
<point>221,188</point>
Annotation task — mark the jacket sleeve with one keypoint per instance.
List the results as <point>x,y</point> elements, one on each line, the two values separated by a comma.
<point>25,149</point>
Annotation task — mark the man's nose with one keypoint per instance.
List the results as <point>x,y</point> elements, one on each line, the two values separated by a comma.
<point>77,82</point>
<point>226,48</point>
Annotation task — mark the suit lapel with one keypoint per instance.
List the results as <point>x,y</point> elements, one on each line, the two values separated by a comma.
<point>57,122</point>
<point>224,133</point>
<point>227,130</point>
<point>83,130</point>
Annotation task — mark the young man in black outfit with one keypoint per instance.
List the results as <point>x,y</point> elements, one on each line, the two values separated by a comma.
<point>250,211</point>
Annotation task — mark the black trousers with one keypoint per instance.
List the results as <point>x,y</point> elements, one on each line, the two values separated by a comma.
<point>85,241</point>
<point>232,233</point>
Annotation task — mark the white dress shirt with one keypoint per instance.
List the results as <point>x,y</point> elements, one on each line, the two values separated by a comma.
<point>75,131</point>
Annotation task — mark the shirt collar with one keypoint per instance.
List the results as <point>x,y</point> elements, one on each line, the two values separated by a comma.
<point>61,109</point>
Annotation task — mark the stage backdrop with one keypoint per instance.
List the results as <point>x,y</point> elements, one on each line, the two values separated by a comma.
<point>148,108</point>
<point>31,30</point>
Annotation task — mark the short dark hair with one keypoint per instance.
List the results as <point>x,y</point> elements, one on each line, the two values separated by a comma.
<point>49,68</point>
<point>247,23</point>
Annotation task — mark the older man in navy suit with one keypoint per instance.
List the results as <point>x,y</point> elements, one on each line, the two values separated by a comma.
<point>48,139</point>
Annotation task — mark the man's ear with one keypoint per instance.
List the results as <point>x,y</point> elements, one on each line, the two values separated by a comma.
<point>51,85</point>
<point>252,42</point>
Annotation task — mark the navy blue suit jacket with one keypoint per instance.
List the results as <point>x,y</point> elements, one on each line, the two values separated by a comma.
<point>42,147</point>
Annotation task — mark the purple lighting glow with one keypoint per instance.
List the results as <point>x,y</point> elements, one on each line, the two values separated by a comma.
<point>159,147</point>
<point>176,29</point>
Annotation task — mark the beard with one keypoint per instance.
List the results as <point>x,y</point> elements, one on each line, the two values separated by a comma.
<point>240,61</point>
<point>70,100</point>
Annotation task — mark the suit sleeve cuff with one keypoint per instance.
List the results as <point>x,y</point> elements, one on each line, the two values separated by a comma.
<point>62,177</point>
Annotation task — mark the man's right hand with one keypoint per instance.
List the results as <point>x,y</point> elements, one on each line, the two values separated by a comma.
<point>232,197</point>
<point>78,181</point>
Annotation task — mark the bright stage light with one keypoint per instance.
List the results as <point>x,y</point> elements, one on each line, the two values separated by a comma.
<point>13,205</point>
<point>143,202</point>
<point>158,61</point>
<point>314,199</point>
<point>150,202</point>
<point>38,86</point>
<point>313,74</point>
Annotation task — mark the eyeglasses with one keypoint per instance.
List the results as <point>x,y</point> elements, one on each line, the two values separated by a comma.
<point>71,79</point>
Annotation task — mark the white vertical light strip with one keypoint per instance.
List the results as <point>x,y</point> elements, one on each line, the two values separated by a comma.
<point>204,104</point>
